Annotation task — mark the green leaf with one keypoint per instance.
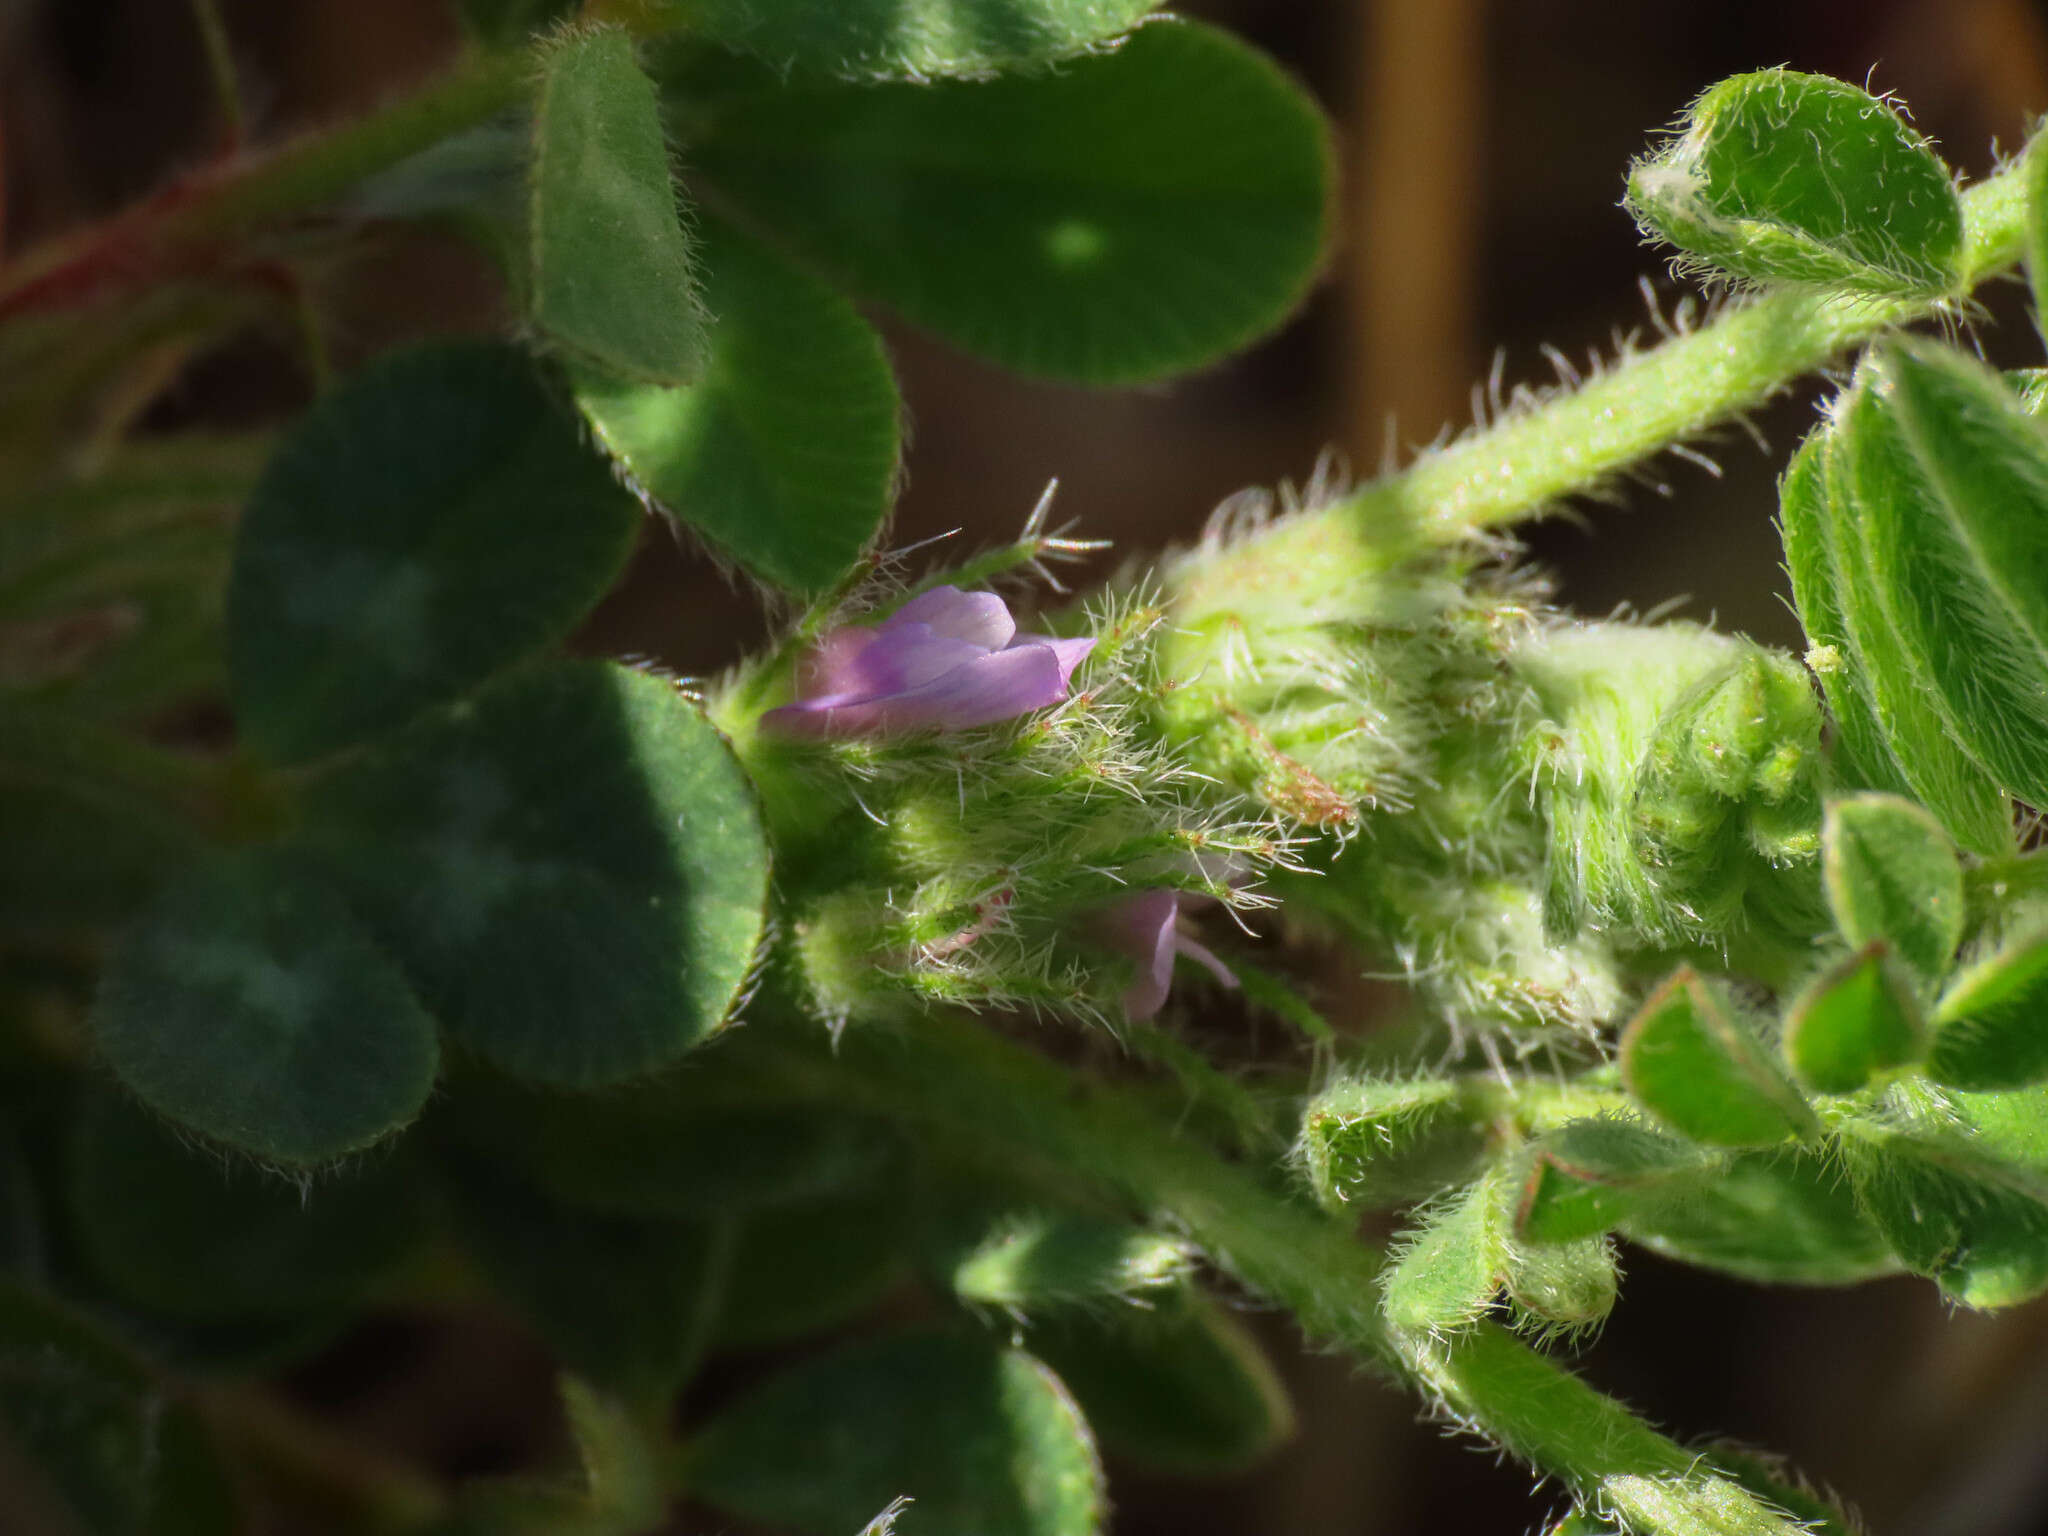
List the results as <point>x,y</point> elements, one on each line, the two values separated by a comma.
<point>1178,1386</point>
<point>613,275</point>
<point>1563,1287</point>
<point>877,39</point>
<point>619,1300</point>
<point>183,1234</point>
<point>1691,1063</point>
<point>1973,1223</point>
<point>1857,1019</point>
<point>1777,1218</point>
<point>784,452</point>
<point>984,1440</point>
<point>432,521</point>
<point>1379,1141</point>
<point>1991,1026</point>
<point>249,1006</point>
<point>1137,214</point>
<point>1810,559</point>
<point>1586,1175</point>
<point>1031,1261</point>
<point>1944,777</point>
<point>107,1448</point>
<point>1951,482</point>
<point>570,866</point>
<point>670,1146</point>
<point>1892,875</point>
<point>1781,177</point>
<point>1450,1266</point>
<point>808,1265</point>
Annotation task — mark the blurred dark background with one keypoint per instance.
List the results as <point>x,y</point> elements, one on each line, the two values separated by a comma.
<point>1483,146</point>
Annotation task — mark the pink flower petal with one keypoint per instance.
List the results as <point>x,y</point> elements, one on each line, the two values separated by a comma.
<point>980,618</point>
<point>1142,927</point>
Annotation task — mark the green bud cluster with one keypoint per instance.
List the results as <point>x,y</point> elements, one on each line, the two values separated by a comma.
<point>1679,773</point>
<point>1511,805</point>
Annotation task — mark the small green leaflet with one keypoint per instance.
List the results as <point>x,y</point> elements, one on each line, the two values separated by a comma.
<point>1786,177</point>
<point>612,274</point>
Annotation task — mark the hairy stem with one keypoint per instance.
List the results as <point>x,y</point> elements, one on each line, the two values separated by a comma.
<point>965,1086</point>
<point>1528,463</point>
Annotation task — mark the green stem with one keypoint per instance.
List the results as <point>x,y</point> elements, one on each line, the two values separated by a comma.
<point>220,67</point>
<point>1531,461</point>
<point>299,176</point>
<point>964,1085</point>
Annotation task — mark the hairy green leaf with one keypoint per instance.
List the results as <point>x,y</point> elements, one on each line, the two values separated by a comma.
<point>248,1005</point>
<point>1856,1019</point>
<point>1970,1221</point>
<point>1586,1175</point>
<point>1691,1063</point>
<point>570,866</point>
<point>1777,1218</point>
<point>1783,177</point>
<point>1450,1266</point>
<point>613,275</point>
<point>1378,1141</point>
<point>1565,1286</point>
<point>432,521</point>
<point>1951,485</point>
<point>1137,214</point>
<point>783,453</point>
<point>1810,560</point>
<point>984,1440</point>
<point>1991,1026</point>
<point>1892,875</point>
<point>1943,776</point>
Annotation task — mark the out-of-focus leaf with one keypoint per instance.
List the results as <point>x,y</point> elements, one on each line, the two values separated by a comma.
<point>1179,1386</point>
<point>984,1441</point>
<point>188,1235</point>
<point>114,1451</point>
<point>432,521</point>
<point>248,1005</point>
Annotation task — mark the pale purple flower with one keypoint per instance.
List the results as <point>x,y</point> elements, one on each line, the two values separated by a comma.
<point>1147,928</point>
<point>945,660</point>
